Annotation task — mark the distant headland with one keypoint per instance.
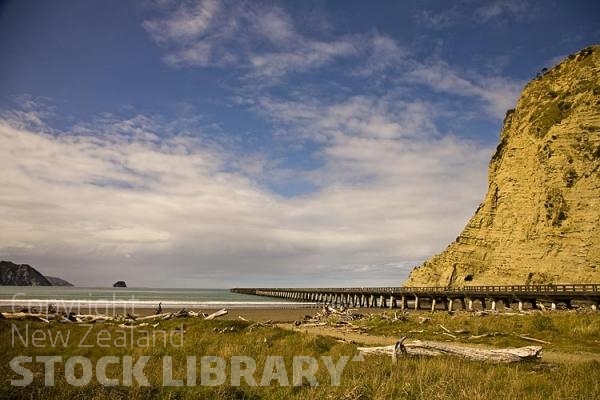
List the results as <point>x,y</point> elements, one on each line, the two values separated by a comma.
<point>12,274</point>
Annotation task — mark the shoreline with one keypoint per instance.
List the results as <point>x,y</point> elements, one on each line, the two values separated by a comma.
<point>254,314</point>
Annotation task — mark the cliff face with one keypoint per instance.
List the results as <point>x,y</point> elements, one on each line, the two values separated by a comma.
<point>21,275</point>
<point>540,220</point>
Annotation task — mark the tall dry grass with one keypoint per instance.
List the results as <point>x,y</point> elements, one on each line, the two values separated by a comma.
<point>374,378</point>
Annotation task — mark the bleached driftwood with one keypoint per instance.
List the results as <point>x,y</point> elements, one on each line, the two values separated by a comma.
<point>21,315</point>
<point>95,318</point>
<point>534,339</point>
<point>259,325</point>
<point>447,331</point>
<point>151,317</point>
<point>129,320</point>
<point>27,316</point>
<point>313,324</point>
<point>489,334</point>
<point>430,348</point>
<point>216,314</point>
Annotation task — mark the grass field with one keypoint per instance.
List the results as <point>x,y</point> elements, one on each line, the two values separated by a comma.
<point>568,331</point>
<point>375,377</point>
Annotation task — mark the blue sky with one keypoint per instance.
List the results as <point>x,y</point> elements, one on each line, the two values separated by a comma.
<point>223,143</point>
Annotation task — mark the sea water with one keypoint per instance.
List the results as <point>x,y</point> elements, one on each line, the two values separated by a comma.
<point>83,298</point>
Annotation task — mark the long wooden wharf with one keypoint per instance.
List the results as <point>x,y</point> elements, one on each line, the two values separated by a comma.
<point>436,297</point>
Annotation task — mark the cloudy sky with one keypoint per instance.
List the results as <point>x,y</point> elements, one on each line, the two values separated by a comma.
<point>242,143</point>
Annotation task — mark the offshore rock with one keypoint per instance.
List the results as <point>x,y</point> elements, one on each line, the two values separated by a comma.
<point>540,220</point>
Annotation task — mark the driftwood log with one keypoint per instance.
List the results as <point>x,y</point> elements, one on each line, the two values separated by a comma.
<point>216,314</point>
<point>534,339</point>
<point>153,317</point>
<point>21,315</point>
<point>129,320</point>
<point>432,349</point>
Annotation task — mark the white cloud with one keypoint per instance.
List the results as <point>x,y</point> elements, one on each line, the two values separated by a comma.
<point>439,20</point>
<point>131,235</point>
<point>259,38</point>
<point>498,8</point>
<point>113,201</point>
<point>498,93</point>
<point>382,53</point>
<point>275,25</point>
<point>262,45</point>
<point>479,12</point>
<point>381,139</point>
<point>186,23</point>
<point>307,55</point>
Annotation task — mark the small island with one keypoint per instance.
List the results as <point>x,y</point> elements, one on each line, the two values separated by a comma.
<point>120,284</point>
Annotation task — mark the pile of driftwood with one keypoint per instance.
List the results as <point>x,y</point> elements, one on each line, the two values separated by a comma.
<point>432,349</point>
<point>330,316</point>
<point>122,321</point>
<point>345,319</point>
<point>129,320</point>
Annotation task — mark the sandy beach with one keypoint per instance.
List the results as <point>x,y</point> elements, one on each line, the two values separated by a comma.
<point>273,314</point>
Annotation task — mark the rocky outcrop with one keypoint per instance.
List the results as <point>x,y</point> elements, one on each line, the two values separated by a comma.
<point>12,274</point>
<point>120,284</point>
<point>54,281</point>
<point>540,220</point>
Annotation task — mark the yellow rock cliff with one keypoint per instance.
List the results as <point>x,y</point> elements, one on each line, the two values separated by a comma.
<point>540,220</point>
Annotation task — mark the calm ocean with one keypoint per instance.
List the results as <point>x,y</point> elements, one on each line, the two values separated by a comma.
<point>83,297</point>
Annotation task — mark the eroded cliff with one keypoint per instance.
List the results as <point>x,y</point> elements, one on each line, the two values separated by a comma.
<point>540,220</point>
